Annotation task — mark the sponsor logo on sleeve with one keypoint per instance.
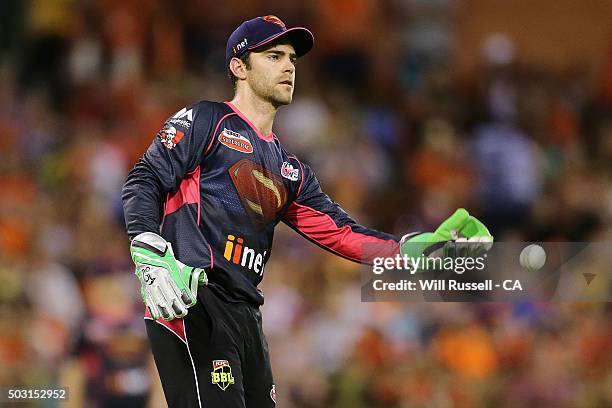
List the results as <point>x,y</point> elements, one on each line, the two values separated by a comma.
<point>288,172</point>
<point>183,118</point>
<point>169,136</point>
<point>184,114</point>
<point>235,141</point>
<point>221,374</point>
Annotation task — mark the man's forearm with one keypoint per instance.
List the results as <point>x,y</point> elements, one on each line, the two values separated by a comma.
<point>338,233</point>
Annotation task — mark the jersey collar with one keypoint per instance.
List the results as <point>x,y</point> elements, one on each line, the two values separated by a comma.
<point>267,138</point>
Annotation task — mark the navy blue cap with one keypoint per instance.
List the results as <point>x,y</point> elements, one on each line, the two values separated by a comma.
<point>259,31</point>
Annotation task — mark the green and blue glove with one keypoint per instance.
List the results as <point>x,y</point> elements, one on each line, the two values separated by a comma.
<point>168,287</point>
<point>460,235</point>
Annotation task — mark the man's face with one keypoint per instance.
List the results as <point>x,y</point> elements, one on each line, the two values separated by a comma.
<point>272,73</point>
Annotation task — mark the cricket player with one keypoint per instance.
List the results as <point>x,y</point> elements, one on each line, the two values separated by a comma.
<point>200,208</point>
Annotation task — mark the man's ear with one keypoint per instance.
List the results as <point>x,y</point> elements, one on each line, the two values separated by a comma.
<point>238,68</point>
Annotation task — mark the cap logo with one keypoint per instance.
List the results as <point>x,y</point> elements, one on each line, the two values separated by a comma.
<point>240,45</point>
<point>274,20</point>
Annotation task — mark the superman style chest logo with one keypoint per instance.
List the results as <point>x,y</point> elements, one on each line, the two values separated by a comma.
<point>262,193</point>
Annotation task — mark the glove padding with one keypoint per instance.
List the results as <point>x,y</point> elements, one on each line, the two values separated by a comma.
<point>460,235</point>
<point>168,287</point>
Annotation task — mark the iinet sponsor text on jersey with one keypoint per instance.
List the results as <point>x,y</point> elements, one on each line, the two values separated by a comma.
<point>236,252</point>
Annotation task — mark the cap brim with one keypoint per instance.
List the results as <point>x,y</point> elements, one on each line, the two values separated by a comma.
<point>301,38</point>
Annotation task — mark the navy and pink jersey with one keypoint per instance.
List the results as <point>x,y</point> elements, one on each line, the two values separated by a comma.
<point>215,188</point>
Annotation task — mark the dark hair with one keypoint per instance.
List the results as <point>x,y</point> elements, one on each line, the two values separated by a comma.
<point>244,58</point>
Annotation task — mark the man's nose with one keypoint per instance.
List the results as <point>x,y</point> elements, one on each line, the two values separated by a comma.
<point>289,66</point>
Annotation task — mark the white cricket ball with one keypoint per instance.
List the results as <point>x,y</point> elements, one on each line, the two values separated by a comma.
<point>533,257</point>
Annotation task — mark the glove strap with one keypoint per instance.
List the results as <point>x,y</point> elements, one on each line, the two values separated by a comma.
<point>198,277</point>
<point>408,236</point>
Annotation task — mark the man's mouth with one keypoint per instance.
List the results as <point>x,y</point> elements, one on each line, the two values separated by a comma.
<point>290,83</point>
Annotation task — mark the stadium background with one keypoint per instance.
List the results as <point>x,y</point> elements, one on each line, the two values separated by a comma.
<point>406,110</point>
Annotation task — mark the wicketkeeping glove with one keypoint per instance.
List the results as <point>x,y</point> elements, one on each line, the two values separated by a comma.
<point>169,287</point>
<point>459,235</point>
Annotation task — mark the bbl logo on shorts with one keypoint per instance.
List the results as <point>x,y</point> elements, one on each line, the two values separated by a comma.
<point>222,374</point>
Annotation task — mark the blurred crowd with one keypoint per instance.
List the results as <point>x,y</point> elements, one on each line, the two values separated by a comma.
<point>397,135</point>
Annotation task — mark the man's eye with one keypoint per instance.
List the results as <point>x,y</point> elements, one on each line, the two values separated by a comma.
<point>273,56</point>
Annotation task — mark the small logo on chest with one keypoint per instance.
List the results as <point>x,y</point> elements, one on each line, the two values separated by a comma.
<point>288,172</point>
<point>235,141</point>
